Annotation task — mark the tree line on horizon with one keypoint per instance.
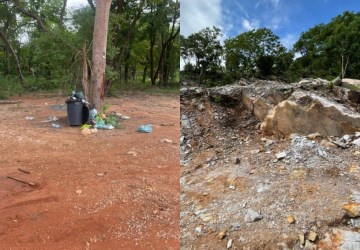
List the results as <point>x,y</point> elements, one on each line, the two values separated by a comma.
<point>42,43</point>
<point>325,51</point>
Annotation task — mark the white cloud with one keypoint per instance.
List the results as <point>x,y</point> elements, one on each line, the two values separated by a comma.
<point>76,3</point>
<point>289,40</point>
<point>273,3</point>
<point>199,14</point>
<point>250,24</point>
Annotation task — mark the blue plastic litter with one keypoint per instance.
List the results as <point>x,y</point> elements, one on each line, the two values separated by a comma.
<point>100,124</point>
<point>145,128</point>
<point>54,125</point>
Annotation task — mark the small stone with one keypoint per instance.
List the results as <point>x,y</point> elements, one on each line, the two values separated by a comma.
<point>309,245</point>
<point>236,160</point>
<point>357,134</point>
<point>343,145</point>
<point>229,244</point>
<point>78,191</point>
<point>206,217</point>
<point>312,236</point>
<point>198,229</point>
<point>326,143</point>
<point>182,138</point>
<point>269,143</point>
<point>301,239</point>
<point>352,209</point>
<point>356,153</point>
<point>346,138</point>
<point>86,131</point>
<point>356,142</point>
<point>281,155</point>
<point>355,222</point>
<point>201,107</point>
<point>100,174</point>
<point>291,219</point>
<point>313,136</point>
<point>222,234</point>
<point>219,150</point>
<point>252,216</point>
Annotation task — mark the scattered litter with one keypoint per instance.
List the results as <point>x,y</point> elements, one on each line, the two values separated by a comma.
<point>133,153</point>
<point>100,124</point>
<point>55,125</point>
<point>121,116</point>
<point>29,118</point>
<point>58,107</point>
<point>51,119</point>
<point>146,128</point>
<point>93,114</point>
<point>166,140</point>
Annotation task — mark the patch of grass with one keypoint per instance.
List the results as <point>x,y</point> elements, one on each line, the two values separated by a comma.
<point>10,86</point>
<point>146,87</point>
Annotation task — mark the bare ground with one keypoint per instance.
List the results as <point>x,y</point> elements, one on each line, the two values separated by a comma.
<point>228,167</point>
<point>113,189</point>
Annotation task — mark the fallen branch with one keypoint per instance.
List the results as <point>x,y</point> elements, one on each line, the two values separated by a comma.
<point>32,184</point>
<point>10,102</point>
<point>24,171</point>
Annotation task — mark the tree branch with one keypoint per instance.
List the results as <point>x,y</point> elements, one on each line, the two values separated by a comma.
<point>91,3</point>
<point>8,44</point>
<point>62,14</point>
<point>30,14</point>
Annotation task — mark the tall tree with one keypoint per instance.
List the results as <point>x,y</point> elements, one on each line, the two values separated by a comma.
<point>99,53</point>
<point>253,53</point>
<point>204,47</point>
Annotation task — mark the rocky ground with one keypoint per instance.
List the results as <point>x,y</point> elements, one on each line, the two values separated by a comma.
<point>256,175</point>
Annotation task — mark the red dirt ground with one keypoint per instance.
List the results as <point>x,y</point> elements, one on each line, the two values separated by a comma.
<point>92,193</point>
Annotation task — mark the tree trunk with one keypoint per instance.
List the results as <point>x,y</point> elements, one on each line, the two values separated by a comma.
<point>17,63</point>
<point>62,14</point>
<point>144,74</point>
<point>85,76</point>
<point>99,53</point>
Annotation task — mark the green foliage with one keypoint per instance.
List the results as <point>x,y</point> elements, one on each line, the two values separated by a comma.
<point>50,59</point>
<point>332,49</point>
<point>205,49</point>
<point>256,53</point>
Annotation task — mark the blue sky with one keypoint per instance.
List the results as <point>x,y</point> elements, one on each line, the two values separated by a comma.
<point>286,18</point>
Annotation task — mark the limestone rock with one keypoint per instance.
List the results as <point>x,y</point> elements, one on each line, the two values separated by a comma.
<point>261,108</point>
<point>307,113</point>
<point>248,101</point>
<point>252,216</point>
<point>352,209</point>
<point>341,240</point>
<point>350,83</point>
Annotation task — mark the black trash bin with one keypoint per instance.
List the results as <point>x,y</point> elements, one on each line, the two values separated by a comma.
<point>74,112</point>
